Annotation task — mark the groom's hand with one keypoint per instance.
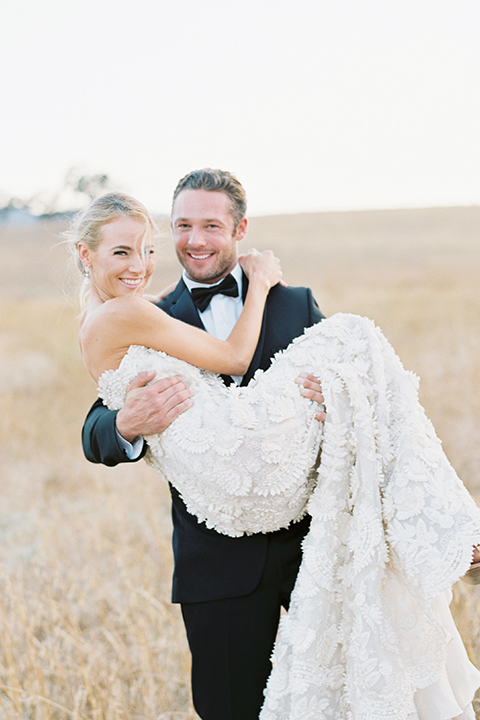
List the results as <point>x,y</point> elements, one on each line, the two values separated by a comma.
<point>312,389</point>
<point>149,409</point>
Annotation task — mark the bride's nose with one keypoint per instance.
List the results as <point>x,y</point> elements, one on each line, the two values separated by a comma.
<point>136,264</point>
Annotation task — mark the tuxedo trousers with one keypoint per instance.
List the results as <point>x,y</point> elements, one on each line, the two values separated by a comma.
<point>231,640</point>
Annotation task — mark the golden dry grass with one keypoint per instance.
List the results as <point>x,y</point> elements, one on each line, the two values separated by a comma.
<point>87,629</point>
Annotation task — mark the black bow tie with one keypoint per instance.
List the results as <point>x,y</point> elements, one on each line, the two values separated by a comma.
<point>201,296</point>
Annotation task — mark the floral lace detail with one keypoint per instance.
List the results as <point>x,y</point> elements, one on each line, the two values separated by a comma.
<point>240,459</point>
<point>392,525</point>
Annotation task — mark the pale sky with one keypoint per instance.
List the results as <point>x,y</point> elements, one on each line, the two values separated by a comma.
<point>314,104</point>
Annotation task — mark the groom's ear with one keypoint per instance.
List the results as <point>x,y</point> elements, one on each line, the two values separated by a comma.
<point>241,230</point>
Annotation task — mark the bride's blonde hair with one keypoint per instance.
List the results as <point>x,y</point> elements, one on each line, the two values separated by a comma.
<point>87,225</point>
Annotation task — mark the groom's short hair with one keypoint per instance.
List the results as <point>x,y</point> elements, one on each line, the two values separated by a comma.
<point>216,181</point>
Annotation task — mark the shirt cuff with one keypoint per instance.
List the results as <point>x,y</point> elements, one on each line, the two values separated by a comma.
<point>133,449</point>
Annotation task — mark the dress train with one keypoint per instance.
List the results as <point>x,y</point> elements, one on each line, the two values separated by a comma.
<point>369,635</point>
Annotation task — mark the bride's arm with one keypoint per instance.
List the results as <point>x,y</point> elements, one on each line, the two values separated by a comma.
<point>135,321</point>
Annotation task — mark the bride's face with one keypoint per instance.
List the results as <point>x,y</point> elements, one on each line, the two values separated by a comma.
<point>124,260</point>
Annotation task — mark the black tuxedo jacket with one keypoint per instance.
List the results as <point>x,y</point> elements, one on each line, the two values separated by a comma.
<point>208,565</point>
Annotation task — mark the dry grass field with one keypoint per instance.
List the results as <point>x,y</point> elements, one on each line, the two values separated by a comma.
<point>87,629</point>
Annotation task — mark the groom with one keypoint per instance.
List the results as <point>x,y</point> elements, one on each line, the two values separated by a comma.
<point>231,589</point>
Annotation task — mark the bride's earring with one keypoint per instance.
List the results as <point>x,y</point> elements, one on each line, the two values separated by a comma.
<point>87,274</point>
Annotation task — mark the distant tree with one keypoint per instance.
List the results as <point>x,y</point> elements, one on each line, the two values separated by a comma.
<point>90,185</point>
<point>78,189</point>
<point>13,203</point>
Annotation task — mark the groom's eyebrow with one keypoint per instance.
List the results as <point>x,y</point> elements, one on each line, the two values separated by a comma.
<point>206,220</point>
<point>213,220</point>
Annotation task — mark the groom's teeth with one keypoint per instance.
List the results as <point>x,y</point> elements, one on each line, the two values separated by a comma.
<point>200,257</point>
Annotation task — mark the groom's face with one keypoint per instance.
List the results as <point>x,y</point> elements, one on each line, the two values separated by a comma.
<point>204,234</point>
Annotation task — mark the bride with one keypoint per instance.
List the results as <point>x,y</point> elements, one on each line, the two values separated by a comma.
<point>369,635</point>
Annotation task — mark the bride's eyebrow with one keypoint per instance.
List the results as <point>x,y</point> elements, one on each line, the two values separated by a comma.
<point>129,247</point>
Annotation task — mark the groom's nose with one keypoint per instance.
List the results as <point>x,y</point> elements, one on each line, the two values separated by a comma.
<point>196,236</point>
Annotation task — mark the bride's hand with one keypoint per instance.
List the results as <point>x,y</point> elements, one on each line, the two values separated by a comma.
<point>264,266</point>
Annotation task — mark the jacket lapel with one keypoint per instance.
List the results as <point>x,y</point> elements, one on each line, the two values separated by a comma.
<point>181,306</point>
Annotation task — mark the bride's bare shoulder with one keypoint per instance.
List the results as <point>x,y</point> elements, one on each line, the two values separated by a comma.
<point>108,329</point>
<point>121,314</point>
<point>126,309</point>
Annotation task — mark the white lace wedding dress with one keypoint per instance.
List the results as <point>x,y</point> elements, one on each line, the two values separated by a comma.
<point>369,635</point>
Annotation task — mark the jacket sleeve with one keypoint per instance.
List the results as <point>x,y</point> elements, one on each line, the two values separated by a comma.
<point>315,313</point>
<point>99,437</point>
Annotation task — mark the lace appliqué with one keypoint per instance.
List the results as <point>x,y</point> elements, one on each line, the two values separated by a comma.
<point>240,459</point>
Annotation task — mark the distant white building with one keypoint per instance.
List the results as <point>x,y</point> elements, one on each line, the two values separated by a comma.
<point>17,216</point>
